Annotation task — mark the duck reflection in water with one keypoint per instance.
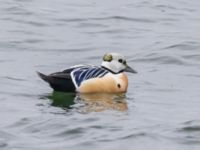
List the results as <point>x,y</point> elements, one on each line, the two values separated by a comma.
<point>95,102</point>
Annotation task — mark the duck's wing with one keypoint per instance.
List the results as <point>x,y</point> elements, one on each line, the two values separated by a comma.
<point>67,80</point>
<point>87,72</point>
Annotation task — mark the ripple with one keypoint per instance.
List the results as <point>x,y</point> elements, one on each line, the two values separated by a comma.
<point>194,128</point>
<point>168,60</point>
<point>192,57</point>
<point>13,78</point>
<point>72,132</point>
<point>5,138</point>
<point>18,10</point>
<point>189,133</point>
<point>124,18</point>
<point>184,46</point>
<point>166,6</point>
<point>190,126</point>
<point>133,135</point>
<point>3,144</point>
<point>120,18</point>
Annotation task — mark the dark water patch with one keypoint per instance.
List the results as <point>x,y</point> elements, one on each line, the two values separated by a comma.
<point>190,126</point>
<point>61,99</point>
<point>3,144</point>
<point>191,129</point>
<point>189,133</point>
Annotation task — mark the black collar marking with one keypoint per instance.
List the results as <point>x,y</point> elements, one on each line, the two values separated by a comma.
<point>111,70</point>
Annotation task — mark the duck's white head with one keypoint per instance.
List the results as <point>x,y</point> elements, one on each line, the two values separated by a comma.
<point>116,63</point>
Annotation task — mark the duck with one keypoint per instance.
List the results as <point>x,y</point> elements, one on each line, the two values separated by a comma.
<point>110,77</point>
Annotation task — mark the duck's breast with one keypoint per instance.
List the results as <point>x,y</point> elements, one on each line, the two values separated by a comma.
<point>110,83</point>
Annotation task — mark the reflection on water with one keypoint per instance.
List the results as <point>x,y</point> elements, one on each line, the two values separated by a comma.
<point>88,102</point>
<point>61,99</point>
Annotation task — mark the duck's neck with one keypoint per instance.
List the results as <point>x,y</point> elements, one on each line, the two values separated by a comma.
<point>111,70</point>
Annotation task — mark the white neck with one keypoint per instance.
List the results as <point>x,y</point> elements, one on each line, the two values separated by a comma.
<point>110,66</point>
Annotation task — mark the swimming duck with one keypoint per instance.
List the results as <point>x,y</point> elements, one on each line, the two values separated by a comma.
<point>107,78</point>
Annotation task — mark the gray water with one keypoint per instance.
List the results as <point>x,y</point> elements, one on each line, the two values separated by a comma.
<point>160,39</point>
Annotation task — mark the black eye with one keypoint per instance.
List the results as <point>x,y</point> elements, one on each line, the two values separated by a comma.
<point>120,60</point>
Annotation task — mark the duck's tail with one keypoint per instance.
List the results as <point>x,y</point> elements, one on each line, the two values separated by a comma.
<point>58,83</point>
<point>43,76</point>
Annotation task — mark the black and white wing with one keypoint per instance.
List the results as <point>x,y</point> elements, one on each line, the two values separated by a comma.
<point>86,72</point>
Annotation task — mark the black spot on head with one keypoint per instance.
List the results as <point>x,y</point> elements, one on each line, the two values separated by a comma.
<point>118,85</point>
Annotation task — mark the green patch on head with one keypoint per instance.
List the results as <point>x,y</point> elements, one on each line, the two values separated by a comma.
<point>107,57</point>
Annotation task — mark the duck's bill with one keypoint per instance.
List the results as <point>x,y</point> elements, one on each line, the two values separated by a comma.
<point>129,69</point>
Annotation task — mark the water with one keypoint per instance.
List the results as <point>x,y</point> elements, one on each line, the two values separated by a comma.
<point>160,40</point>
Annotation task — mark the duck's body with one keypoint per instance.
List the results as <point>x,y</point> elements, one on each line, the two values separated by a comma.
<point>89,79</point>
<point>110,83</point>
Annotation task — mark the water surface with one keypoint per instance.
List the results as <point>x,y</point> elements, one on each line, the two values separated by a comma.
<point>160,40</point>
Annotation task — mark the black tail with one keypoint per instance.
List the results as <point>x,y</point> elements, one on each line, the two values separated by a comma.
<point>43,76</point>
<point>58,83</point>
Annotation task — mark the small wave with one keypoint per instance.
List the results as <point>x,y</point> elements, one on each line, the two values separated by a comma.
<point>189,132</point>
<point>162,6</point>
<point>133,135</point>
<point>195,57</point>
<point>71,19</point>
<point>190,126</point>
<point>193,75</point>
<point>29,22</point>
<point>71,132</point>
<point>3,143</point>
<point>122,18</point>
<point>168,60</point>
<point>18,10</point>
<point>184,46</point>
<point>13,78</point>
<point>194,128</point>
